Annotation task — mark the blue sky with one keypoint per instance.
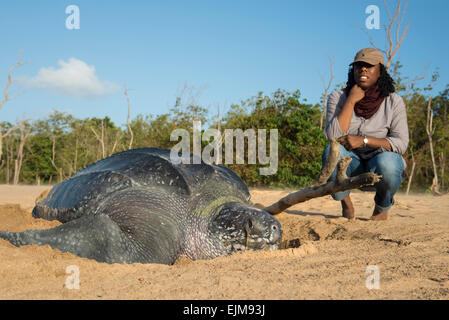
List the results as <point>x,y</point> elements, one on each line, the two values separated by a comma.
<point>224,51</point>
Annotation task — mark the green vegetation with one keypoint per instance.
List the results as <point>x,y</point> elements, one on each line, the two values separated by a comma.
<point>53,149</point>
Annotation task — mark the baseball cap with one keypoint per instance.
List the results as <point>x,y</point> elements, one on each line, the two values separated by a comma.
<point>369,55</point>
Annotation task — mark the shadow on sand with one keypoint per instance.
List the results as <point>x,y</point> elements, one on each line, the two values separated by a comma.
<point>327,216</point>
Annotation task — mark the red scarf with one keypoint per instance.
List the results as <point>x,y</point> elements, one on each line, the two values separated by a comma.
<point>370,103</point>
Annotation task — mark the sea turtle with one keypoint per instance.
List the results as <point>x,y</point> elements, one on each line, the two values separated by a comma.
<point>140,206</point>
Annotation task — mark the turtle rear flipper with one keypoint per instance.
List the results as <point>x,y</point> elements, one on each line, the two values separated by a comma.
<point>91,236</point>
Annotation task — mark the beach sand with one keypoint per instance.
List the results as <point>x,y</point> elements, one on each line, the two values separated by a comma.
<point>336,258</point>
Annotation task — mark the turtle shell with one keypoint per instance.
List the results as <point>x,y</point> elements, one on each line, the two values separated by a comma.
<point>199,185</point>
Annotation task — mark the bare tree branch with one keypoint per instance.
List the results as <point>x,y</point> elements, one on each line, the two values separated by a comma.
<point>14,127</point>
<point>394,20</point>
<point>397,18</point>
<point>7,98</point>
<point>8,84</point>
<point>371,40</point>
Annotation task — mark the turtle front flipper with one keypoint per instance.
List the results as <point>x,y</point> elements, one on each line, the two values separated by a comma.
<point>91,236</point>
<point>79,195</point>
<point>60,214</point>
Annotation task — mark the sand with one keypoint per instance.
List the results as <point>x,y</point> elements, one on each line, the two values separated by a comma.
<point>406,257</point>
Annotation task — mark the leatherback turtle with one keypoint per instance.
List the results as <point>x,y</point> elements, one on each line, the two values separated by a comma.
<point>139,206</point>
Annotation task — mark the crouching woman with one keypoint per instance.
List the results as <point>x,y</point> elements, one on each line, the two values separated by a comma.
<point>370,121</point>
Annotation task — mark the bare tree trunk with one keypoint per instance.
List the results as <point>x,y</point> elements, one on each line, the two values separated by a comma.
<point>2,163</point>
<point>442,165</point>
<point>69,166</point>
<point>19,159</point>
<point>8,162</point>
<point>100,139</point>
<point>117,138</point>
<point>410,178</point>
<point>435,188</point>
<point>130,131</point>
<point>219,143</point>
<point>326,92</point>
<point>76,154</point>
<point>53,156</point>
<point>1,145</point>
<point>4,135</point>
<point>320,188</point>
<point>16,175</point>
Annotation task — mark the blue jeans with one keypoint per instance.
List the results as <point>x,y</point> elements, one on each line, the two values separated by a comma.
<point>387,164</point>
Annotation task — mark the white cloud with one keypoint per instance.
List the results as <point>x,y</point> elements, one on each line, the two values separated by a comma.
<point>74,78</point>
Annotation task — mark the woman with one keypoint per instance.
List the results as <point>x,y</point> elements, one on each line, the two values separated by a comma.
<point>370,121</point>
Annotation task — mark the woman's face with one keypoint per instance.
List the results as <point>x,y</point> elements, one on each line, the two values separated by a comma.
<point>366,75</point>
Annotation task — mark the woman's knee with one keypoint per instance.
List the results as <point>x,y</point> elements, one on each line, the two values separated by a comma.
<point>389,162</point>
<point>390,166</point>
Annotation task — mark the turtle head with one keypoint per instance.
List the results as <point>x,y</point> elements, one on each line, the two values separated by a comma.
<point>240,227</point>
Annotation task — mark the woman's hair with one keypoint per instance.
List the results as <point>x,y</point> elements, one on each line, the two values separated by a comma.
<point>385,82</point>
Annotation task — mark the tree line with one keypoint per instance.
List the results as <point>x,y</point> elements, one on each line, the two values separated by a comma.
<point>50,150</point>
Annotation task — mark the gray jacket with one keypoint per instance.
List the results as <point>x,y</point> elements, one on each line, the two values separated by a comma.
<point>389,122</point>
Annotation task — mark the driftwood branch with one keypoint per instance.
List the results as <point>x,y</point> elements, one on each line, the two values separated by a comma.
<point>330,165</point>
<point>321,187</point>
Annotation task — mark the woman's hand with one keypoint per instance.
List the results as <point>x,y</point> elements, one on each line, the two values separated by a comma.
<point>356,94</point>
<point>344,118</point>
<point>351,142</point>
